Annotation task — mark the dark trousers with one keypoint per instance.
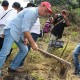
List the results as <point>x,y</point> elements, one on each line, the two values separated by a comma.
<point>35,37</point>
<point>1,42</point>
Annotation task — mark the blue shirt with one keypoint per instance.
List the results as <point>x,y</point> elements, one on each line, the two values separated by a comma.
<point>22,22</point>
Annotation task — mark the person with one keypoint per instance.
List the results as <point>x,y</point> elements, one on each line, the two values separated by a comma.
<point>21,8</point>
<point>5,17</point>
<point>4,9</point>
<point>48,25</point>
<point>18,31</point>
<point>17,6</point>
<point>35,31</point>
<point>60,21</point>
<point>15,9</point>
<point>76,54</point>
<point>30,5</point>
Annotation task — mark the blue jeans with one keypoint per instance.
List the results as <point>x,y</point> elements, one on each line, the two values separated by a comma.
<point>1,44</point>
<point>76,54</point>
<point>35,37</point>
<point>7,44</point>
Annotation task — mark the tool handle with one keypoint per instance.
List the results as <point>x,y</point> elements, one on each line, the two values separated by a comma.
<point>55,57</point>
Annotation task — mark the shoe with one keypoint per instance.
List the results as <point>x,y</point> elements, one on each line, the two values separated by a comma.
<point>1,76</point>
<point>76,72</point>
<point>14,71</point>
<point>11,70</point>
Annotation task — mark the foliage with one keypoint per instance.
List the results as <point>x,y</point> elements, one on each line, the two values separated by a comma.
<point>77,11</point>
<point>78,2</point>
<point>73,3</point>
<point>53,2</point>
<point>0,2</point>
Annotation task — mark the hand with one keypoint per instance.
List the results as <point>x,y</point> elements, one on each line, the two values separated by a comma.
<point>34,46</point>
<point>2,35</point>
<point>64,17</point>
<point>25,41</point>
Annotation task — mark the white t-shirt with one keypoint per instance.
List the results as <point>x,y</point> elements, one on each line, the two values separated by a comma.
<point>36,27</point>
<point>7,18</point>
<point>1,11</point>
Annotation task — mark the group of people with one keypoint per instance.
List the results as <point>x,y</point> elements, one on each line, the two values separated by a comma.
<point>56,28</point>
<point>61,21</point>
<point>9,14</point>
<point>22,26</point>
<point>18,30</point>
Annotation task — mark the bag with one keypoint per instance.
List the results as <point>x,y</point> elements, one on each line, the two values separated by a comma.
<point>47,27</point>
<point>56,44</point>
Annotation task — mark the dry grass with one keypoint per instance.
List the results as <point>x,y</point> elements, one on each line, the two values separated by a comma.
<point>42,67</point>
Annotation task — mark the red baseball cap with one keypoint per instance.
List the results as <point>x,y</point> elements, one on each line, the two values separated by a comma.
<point>48,5</point>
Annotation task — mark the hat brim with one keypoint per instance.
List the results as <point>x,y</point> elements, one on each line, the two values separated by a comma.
<point>49,9</point>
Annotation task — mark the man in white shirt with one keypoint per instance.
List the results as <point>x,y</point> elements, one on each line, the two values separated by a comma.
<point>3,21</point>
<point>6,15</point>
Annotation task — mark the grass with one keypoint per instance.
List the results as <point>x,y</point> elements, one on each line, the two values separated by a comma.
<point>42,67</point>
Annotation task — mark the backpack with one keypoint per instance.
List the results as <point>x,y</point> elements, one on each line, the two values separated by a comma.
<point>47,27</point>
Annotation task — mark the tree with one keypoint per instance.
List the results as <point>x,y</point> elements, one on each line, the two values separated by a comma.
<point>78,2</point>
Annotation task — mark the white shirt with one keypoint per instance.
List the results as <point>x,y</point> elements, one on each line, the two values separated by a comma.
<point>6,19</point>
<point>1,11</point>
<point>9,16</point>
<point>36,27</point>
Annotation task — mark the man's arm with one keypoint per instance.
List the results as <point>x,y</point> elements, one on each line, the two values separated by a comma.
<point>31,41</point>
<point>67,21</point>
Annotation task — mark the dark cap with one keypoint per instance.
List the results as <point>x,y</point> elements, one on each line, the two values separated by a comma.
<point>16,5</point>
<point>5,3</point>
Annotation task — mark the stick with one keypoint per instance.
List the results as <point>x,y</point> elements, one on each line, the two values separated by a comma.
<point>59,22</point>
<point>55,57</point>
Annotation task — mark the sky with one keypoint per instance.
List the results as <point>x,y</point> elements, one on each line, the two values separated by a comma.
<point>22,2</point>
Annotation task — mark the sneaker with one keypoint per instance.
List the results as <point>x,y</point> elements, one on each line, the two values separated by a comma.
<point>15,71</point>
